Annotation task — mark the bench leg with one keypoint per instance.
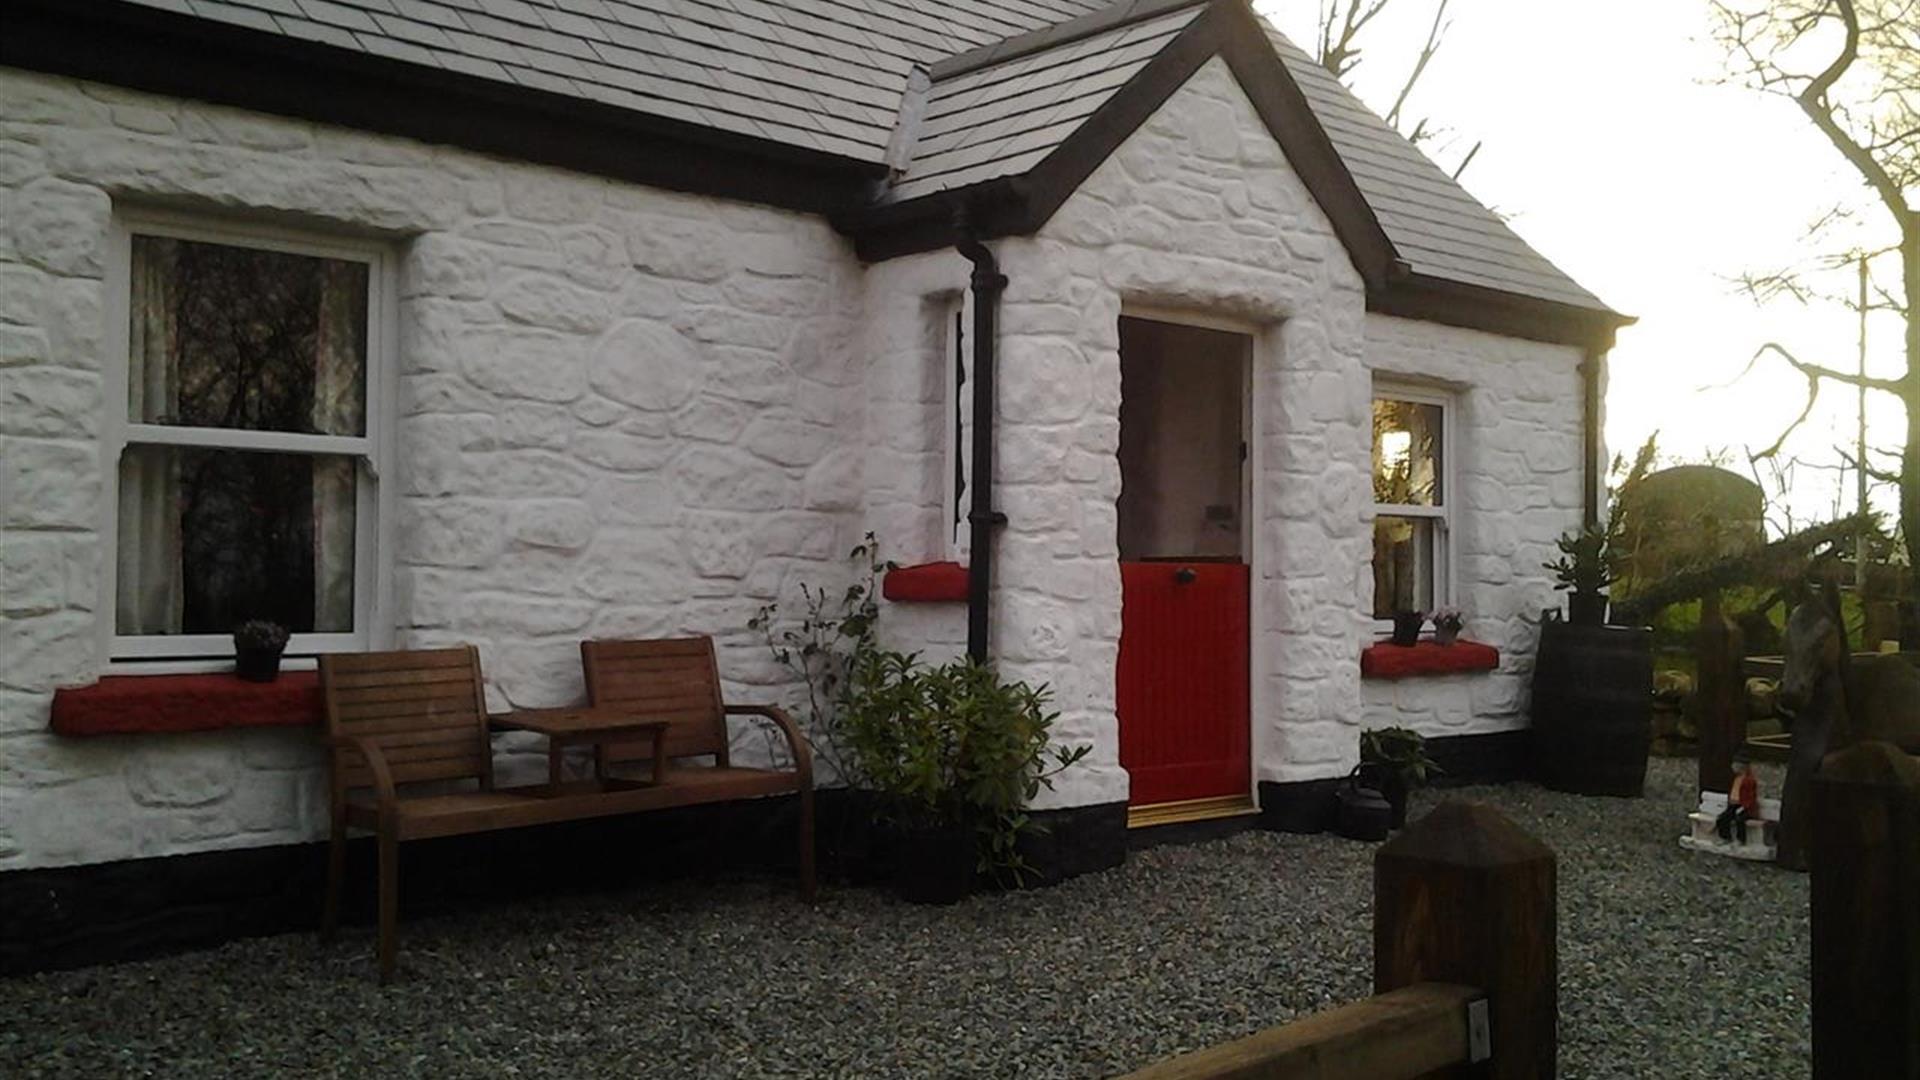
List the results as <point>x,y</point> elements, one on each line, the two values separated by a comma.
<point>807,884</point>
<point>336,874</point>
<point>389,903</point>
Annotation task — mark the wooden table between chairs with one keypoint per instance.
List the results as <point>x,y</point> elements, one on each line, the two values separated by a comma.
<point>587,725</point>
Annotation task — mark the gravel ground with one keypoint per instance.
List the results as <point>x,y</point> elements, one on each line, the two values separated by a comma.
<point>1182,947</point>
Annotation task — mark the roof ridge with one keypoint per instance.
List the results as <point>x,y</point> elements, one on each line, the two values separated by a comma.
<point>1123,13</point>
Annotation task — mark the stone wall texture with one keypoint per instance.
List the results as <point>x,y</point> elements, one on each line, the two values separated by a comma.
<point>624,411</point>
<point>1517,437</point>
<point>619,412</point>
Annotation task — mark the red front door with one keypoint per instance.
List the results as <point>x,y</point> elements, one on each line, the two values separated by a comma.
<point>1181,689</point>
<point>1182,693</point>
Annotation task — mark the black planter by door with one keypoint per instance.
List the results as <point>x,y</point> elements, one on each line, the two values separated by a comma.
<point>1592,708</point>
<point>933,866</point>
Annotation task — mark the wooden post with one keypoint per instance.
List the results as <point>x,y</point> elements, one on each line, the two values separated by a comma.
<point>1466,896</point>
<point>1720,694</point>
<point>1866,914</point>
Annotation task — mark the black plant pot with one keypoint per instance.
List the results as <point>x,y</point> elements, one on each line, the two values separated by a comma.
<point>1586,608</point>
<point>257,665</point>
<point>1406,627</point>
<point>933,865</point>
<point>1392,786</point>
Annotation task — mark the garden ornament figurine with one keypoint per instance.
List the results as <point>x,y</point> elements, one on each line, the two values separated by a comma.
<point>1743,802</point>
<point>1834,701</point>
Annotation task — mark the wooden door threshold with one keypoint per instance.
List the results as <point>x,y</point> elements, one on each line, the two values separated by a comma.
<point>1175,813</point>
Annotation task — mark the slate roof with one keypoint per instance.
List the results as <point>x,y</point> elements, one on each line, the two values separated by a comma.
<point>823,75</point>
<point>1010,80</point>
<point>1005,117</point>
<point>1433,223</point>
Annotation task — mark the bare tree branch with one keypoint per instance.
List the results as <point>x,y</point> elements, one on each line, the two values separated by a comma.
<point>1817,371</point>
<point>1435,34</point>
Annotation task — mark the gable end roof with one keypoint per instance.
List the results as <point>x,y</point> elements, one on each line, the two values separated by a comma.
<point>1022,204</point>
<point>862,110</point>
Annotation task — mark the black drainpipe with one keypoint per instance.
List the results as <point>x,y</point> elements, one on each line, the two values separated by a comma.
<point>1591,465</point>
<point>988,283</point>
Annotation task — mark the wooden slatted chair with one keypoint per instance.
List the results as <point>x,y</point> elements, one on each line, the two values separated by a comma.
<point>678,680</point>
<point>396,719</point>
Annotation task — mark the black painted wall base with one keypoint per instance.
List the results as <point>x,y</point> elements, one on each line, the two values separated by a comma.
<point>1306,806</point>
<point>72,916</point>
<point>61,917</point>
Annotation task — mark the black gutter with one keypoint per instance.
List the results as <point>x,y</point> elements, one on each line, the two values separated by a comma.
<point>988,283</point>
<point>1590,463</point>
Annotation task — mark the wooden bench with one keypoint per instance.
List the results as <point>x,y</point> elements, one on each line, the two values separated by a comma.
<point>399,720</point>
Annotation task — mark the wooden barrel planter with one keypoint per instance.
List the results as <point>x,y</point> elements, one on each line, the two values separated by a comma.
<point>1592,708</point>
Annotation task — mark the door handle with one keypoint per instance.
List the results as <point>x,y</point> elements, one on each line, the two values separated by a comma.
<point>1184,576</point>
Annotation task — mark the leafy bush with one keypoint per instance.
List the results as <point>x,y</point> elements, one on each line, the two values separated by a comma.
<point>834,631</point>
<point>1400,750</point>
<point>952,744</point>
<point>1583,565</point>
<point>941,745</point>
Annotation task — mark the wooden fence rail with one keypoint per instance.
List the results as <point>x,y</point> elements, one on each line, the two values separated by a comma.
<point>1408,1032</point>
<point>1465,969</point>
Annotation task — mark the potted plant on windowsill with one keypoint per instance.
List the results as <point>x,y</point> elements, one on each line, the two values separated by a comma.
<point>1406,627</point>
<point>257,645</point>
<point>1447,624</point>
<point>1583,571</point>
<point>1394,761</point>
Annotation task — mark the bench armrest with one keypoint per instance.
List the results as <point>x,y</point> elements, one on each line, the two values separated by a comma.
<point>802,753</point>
<point>369,752</point>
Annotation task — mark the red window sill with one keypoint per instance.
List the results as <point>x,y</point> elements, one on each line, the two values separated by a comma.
<point>147,704</point>
<point>1385,660</point>
<point>927,583</point>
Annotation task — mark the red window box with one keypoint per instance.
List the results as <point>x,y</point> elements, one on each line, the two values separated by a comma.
<point>927,583</point>
<point>143,704</point>
<point>1385,660</point>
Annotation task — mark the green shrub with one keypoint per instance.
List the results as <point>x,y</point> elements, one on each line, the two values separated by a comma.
<point>941,745</point>
<point>952,744</point>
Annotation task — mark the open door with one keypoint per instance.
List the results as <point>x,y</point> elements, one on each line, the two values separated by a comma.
<point>1182,693</point>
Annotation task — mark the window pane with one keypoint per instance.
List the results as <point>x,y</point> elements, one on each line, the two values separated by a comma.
<point>212,538</point>
<point>233,337</point>
<point>1403,558</point>
<point>1406,453</point>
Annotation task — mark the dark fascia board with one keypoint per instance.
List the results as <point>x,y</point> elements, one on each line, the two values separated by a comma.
<point>1125,13</point>
<point>1226,29</point>
<point>1476,307</point>
<point>163,52</point>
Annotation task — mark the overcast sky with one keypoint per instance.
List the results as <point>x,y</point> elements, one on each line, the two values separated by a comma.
<point>1610,148</point>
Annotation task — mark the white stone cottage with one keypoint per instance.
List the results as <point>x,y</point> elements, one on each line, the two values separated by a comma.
<point>624,317</point>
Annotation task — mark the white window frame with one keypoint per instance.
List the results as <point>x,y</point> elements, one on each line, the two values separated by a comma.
<point>1442,515</point>
<point>373,508</point>
<point>956,447</point>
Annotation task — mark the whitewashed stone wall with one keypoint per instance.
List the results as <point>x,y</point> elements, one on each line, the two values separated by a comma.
<point>1517,424</point>
<point>906,305</point>
<point>620,411</point>
<point>626,411</point>
<point>1199,212</point>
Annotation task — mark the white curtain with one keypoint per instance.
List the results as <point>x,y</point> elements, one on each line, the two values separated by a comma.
<point>150,589</point>
<point>149,586</point>
<point>338,409</point>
